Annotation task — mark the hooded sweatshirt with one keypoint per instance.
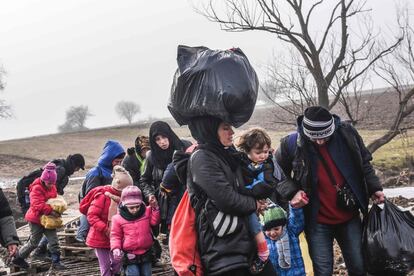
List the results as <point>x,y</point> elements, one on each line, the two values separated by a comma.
<point>101,174</point>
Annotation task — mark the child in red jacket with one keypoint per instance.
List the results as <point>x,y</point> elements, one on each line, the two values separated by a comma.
<point>42,189</point>
<point>100,212</point>
<point>131,232</point>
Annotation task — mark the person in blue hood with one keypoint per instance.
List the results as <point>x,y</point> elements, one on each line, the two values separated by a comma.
<point>113,154</point>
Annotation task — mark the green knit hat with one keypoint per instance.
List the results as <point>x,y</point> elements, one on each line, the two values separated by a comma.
<point>273,217</point>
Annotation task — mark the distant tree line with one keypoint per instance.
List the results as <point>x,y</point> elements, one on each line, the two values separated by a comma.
<point>76,116</point>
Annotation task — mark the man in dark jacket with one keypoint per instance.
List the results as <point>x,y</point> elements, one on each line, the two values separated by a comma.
<point>67,167</point>
<point>113,154</point>
<point>134,160</point>
<point>64,168</point>
<point>324,156</point>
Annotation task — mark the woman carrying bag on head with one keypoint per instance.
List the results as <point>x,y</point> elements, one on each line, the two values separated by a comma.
<point>214,179</point>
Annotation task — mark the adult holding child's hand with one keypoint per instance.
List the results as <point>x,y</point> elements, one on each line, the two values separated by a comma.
<point>299,200</point>
<point>326,159</point>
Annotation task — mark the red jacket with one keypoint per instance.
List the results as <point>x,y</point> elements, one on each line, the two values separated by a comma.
<point>98,219</point>
<point>134,236</point>
<point>39,194</point>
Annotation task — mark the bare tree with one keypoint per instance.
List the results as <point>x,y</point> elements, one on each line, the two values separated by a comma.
<point>76,117</point>
<point>398,71</point>
<point>5,109</point>
<point>127,110</point>
<point>291,89</point>
<point>332,61</point>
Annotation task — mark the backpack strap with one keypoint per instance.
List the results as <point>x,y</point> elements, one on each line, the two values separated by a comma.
<point>197,200</point>
<point>292,143</point>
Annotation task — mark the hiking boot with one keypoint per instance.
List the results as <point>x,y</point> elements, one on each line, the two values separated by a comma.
<point>166,240</point>
<point>258,265</point>
<point>40,253</point>
<point>157,263</point>
<point>56,264</point>
<point>80,240</point>
<point>20,262</point>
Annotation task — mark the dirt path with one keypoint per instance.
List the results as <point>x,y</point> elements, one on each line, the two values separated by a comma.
<point>13,166</point>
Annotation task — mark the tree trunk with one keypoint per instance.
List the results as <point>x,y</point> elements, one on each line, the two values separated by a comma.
<point>376,144</point>
<point>323,99</point>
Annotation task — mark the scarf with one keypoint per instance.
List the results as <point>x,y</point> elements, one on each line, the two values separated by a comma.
<point>283,249</point>
<point>113,206</point>
<point>161,158</point>
<point>204,130</point>
<point>123,211</point>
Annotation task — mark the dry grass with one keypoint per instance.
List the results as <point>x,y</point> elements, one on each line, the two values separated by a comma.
<point>90,143</point>
<point>396,154</point>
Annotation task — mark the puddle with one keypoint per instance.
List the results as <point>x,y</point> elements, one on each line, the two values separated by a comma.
<point>8,182</point>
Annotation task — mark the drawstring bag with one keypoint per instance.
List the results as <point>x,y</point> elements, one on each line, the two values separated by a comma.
<point>184,254</point>
<point>389,240</point>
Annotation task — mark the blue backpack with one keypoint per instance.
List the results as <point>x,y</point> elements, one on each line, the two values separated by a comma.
<point>292,143</point>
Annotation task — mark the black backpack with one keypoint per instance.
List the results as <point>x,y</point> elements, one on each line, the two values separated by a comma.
<point>24,183</point>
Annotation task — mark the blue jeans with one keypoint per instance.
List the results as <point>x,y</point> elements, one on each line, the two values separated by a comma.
<point>43,242</point>
<point>142,269</point>
<point>83,228</point>
<point>254,224</point>
<point>349,237</point>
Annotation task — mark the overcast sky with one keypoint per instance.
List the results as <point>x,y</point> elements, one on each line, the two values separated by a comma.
<point>59,54</point>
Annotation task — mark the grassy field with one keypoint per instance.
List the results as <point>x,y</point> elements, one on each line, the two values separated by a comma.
<point>90,143</point>
<point>394,155</point>
<point>397,154</point>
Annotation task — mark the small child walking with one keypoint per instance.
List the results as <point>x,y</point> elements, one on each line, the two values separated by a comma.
<point>131,233</point>
<point>42,189</point>
<point>103,208</point>
<point>282,237</point>
<point>258,170</point>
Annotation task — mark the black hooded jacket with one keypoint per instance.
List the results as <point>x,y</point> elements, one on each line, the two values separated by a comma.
<point>158,159</point>
<point>212,178</point>
<point>64,169</point>
<point>133,165</point>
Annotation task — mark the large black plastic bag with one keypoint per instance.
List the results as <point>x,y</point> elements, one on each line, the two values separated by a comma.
<point>389,240</point>
<point>213,82</point>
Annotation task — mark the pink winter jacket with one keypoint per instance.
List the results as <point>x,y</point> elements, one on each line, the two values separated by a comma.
<point>134,236</point>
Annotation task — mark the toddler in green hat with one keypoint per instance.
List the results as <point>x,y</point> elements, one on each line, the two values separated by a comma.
<point>282,236</point>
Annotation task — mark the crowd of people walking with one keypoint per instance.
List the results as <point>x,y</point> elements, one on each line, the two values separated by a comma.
<point>270,196</point>
<point>248,199</point>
